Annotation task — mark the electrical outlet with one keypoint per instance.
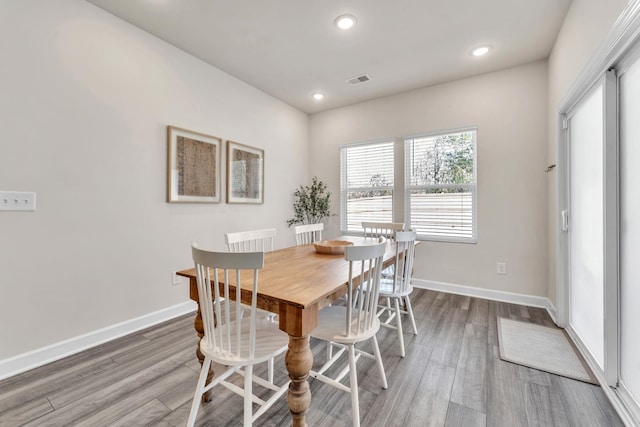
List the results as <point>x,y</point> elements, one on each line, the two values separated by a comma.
<point>17,201</point>
<point>175,279</point>
<point>501,268</point>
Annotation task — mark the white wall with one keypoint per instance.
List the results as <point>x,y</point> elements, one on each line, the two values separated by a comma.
<point>85,102</point>
<point>509,108</point>
<point>584,29</point>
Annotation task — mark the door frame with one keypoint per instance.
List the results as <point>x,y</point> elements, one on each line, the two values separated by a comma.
<point>610,284</point>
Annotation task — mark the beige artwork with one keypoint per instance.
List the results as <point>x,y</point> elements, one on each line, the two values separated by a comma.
<point>196,163</point>
<point>246,176</point>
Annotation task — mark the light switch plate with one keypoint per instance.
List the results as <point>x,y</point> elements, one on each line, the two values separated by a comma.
<point>17,201</point>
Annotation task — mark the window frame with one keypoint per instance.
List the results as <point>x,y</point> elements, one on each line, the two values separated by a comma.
<point>408,188</point>
<point>345,190</point>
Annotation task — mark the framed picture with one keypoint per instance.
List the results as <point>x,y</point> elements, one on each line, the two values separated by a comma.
<point>245,173</point>
<point>193,171</point>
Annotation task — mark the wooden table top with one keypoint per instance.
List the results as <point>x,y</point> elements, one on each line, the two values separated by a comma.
<point>299,277</point>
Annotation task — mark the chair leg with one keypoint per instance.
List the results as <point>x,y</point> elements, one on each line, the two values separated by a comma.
<point>353,385</point>
<point>329,350</point>
<point>410,311</point>
<point>248,396</point>
<point>195,405</point>
<point>376,353</point>
<point>399,326</point>
<point>270,370</point>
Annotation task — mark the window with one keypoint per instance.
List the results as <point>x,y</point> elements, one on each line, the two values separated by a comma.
<point>366,184</point>
<point>440,185</point>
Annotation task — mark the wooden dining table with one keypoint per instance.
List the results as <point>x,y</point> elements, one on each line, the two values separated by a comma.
<point>295,283</point>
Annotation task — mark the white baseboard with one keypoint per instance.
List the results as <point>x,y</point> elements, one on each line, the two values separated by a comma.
<point>490,294</point>
<point>33,359</point>
<point>630,403</point>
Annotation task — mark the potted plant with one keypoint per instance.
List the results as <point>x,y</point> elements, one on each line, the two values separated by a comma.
<point>311,204</point>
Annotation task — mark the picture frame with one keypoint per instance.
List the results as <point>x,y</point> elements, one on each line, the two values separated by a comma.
<point>245,174</point>
<point>193,166</point>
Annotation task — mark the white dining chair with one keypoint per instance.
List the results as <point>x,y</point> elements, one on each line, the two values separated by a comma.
<point>308,233</point>
<point>382,229</point>
<point>254,241</point>
<point>231,339</point>
<point>251,241</point>
<point>397,287</point>
<point>345,326</point>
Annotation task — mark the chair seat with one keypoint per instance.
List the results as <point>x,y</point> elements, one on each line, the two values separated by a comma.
<point>386,289</point>
<point>331,326</point>
<point>270,341</point>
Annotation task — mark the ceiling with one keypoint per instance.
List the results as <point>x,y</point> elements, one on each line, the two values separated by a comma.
<point>291,49</point>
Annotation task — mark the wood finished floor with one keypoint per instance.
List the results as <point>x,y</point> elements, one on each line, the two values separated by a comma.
<point>451,376</point>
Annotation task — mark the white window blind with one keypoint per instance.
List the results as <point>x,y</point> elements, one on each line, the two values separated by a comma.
<point>366,184</point>
<point>440,185</point>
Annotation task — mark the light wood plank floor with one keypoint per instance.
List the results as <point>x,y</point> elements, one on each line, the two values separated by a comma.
<point>451,376</point>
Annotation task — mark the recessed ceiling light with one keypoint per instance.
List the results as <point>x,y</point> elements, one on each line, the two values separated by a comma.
<point>318,96</point>
<point>344,22</point>
<point>480,51</point>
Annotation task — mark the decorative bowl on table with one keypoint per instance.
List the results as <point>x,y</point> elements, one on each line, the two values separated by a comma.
<point>331,247</point>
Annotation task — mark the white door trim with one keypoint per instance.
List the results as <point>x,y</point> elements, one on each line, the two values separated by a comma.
<point>611,233</point>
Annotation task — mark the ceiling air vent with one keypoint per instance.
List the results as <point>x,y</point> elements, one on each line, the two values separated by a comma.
<point>359,79</point>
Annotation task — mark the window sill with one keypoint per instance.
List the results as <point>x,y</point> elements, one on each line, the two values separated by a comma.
<point>423,238</point>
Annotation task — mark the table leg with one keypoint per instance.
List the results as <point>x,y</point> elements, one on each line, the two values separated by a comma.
<point>197,323</point>
<point>299,360</point>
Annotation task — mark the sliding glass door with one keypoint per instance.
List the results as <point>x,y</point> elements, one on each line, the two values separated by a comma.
<point>586,207</point>
<point>603,233</point>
